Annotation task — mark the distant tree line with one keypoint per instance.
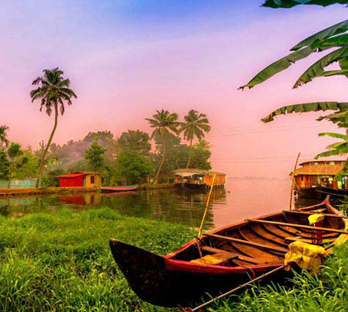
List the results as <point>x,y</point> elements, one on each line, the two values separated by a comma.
<point>127,159</point>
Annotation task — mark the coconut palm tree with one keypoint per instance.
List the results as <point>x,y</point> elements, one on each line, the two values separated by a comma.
<point>195,126</point>
<point>3,135</point>
<point>164,123</point>
<point>53,93</point>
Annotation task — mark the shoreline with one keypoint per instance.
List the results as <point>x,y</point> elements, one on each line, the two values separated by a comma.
<point>12,192</point>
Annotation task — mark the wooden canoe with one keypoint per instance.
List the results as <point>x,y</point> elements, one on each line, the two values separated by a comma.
<point>125,188</point>
<point>244,250</point>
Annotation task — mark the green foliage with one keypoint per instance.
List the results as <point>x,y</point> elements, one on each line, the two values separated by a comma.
<point>4,165</point>
<point>95,156</point>
<point>29,167</point>
<point>63,262</point>
<point>178,154</point>
<point>137,141</point>
<point>331,37</point>
<point>13,161</point>
<point>53,91</point>
<point>307,107</point>
<point>3,135</point>
<point>195,126</point>
<point>71,156</point>
<point>291,3</point>
<point>327,293</point>
<point>165,124</point>
<point>132,167</point>
<point>49,179</point>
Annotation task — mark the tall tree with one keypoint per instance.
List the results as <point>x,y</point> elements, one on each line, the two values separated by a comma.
<point>138,141</point>
<point>3,135</point>
<point>16,159</point>
<point>95,156</point>
<point>132,167</point>
<point>164,124</point>
<point>195,126</point>
<point>53,92</point>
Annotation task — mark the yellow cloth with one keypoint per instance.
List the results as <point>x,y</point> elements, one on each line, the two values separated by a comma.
<point>307,256</point>
<point>314,218</point>
<point>209,260</point>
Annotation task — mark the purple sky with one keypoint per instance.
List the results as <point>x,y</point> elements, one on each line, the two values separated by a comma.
<point>127,59</point>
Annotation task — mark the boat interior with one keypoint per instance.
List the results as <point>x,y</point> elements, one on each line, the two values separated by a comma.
<point>264,240</point>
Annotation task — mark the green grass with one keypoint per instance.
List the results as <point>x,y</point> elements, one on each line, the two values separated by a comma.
<point>62,262</point>
<point>326,293</point>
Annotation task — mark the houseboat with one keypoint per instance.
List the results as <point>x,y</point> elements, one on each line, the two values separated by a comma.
<point>198,178</point>
<point>314,178</point>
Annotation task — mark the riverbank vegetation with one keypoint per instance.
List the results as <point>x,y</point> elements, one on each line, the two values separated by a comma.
<point>132,158</point>
<point>62,262</point>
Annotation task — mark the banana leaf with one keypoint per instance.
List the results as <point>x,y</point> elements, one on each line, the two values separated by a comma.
<point>306,107</point>
<point>278,66</point>
<point>317,69</point>
<point>286,4</point>
<point>335,135</point>
<point>330,153</point>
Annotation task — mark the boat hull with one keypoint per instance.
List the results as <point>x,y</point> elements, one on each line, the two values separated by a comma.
<point>119,189</point>
<point>224,258</point>
<point>166,282</point>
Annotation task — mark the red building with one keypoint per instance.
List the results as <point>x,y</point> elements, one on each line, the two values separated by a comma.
<point>71,180</point>
<point>80,179</point>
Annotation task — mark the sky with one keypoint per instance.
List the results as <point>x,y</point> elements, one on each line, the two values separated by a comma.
<point>128,58</point>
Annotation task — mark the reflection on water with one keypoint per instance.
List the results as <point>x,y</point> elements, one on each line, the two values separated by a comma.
<point>166,205</point>
<point>242,199</point>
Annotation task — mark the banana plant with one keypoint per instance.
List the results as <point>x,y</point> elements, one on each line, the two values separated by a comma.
<point>333,38</point>
<point>336,149</point>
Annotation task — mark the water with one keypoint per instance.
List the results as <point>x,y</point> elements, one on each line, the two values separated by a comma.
<point>242,198</point>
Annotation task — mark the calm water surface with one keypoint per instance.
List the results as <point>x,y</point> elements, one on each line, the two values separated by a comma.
<point>242,198</point>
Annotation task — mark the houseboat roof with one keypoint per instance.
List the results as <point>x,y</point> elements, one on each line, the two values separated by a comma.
<point>319,169</point>
<point>190,172</point>
<point>322,162</point>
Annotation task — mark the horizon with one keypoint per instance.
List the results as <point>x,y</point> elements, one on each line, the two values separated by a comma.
<point>126,60</point>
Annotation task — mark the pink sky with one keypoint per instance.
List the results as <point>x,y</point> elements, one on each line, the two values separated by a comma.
<point>120,80</point>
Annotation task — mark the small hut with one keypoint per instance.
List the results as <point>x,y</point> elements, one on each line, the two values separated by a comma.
<point>198,178</point>
<point>80,179</point>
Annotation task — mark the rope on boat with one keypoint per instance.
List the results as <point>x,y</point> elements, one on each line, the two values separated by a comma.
<point>233,290</point>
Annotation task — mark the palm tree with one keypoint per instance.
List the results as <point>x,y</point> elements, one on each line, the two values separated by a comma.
<point>53,92</point>
<point>164,123</point>
<point>195,126</point>
<point>3,135</point>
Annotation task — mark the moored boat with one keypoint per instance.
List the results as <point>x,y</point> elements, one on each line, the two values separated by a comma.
<point>123,188</point>
<point>224,258</point>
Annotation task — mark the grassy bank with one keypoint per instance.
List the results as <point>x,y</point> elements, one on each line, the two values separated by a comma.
<point>327,293</point>
<point>62,262</point>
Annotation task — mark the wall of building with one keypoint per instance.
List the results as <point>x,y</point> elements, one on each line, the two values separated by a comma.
<point>93,180</point>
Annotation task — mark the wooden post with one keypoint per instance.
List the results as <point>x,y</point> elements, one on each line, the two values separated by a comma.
<point>293,181</point>
<point>206,206</point>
